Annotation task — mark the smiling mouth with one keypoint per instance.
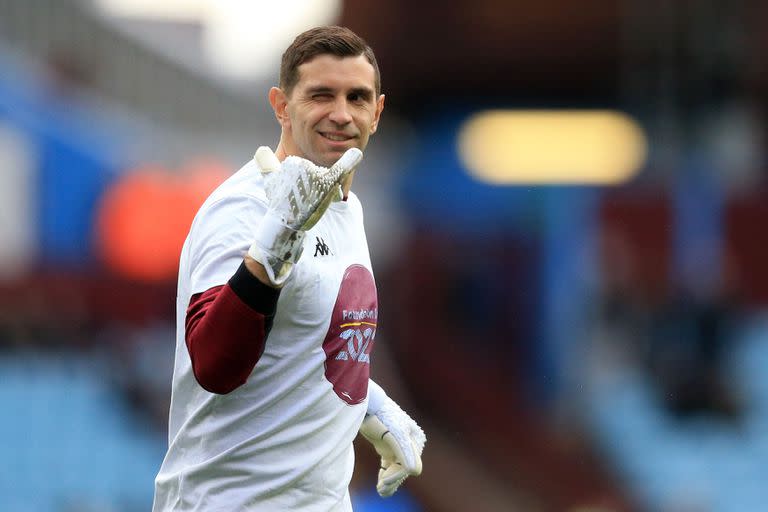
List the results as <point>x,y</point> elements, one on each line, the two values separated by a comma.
<point>336,137</point>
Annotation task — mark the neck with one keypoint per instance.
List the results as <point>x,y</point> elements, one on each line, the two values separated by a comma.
<point>280,151</point>
<point>346,185</point>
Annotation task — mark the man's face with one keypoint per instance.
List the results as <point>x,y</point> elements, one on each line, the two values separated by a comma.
<point>332,108</point>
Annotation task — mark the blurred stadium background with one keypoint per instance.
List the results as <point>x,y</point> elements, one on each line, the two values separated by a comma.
<point>567,211</point>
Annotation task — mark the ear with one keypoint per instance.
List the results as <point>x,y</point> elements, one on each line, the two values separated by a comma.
<point>279,101</point>
<point>377,114</point>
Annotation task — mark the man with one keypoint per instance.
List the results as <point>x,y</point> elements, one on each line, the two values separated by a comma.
<point>277,310</point>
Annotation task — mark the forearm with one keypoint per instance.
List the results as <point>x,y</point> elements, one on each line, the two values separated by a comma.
<point>226,328</point>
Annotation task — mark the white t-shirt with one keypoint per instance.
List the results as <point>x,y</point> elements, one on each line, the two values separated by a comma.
<point>283,440</point>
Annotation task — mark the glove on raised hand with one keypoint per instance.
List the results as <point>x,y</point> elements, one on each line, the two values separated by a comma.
<point>298,192</point>
<point>398,440</point>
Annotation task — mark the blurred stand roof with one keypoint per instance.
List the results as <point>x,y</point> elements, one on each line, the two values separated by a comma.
<point>81,51</point>
<point>562,51</point>
<point>482,47</point>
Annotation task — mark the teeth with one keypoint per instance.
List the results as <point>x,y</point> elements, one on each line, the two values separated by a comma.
<point>334,137</point>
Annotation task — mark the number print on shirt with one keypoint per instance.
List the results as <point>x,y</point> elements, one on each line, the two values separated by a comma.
<point>357,345</point>
<point>351,333</point>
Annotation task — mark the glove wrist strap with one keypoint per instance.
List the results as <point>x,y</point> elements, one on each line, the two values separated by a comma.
<point>278,247</point>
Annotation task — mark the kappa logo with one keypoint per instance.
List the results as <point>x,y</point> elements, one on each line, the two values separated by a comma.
<point>357,344</point>
<point>322,248</point>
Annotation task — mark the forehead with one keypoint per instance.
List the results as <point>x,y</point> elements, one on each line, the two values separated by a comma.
<point>337,73</point>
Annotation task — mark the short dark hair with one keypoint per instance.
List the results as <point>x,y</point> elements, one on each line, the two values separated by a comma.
<point>330,40</point>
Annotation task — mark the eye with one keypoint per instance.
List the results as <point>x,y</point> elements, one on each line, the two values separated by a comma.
<point>322,96</point>
<point>356,98</point>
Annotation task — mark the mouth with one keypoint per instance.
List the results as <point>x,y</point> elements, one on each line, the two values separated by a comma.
<point>336,137</point>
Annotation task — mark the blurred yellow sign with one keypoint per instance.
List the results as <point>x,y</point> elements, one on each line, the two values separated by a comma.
<point>598,147</point>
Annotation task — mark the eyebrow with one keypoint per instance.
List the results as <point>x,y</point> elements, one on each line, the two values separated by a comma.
<point>319,89</point>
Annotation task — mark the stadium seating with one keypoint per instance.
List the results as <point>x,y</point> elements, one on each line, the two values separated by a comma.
<point>702,463</point>
<point>71,442</point>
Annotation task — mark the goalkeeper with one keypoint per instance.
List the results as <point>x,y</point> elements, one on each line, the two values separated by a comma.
<point>277,311</point>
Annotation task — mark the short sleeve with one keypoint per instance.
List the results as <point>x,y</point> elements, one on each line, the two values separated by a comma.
<point>219,239</point>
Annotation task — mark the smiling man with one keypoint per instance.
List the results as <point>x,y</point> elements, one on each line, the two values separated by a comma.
<point>277,310</point>
<point>327,105</point>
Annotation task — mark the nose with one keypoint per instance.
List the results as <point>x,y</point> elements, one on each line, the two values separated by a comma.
<point>340,113</point>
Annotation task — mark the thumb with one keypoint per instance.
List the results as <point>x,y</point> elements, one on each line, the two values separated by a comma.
<point>267,160</point>
<point>347,162</point>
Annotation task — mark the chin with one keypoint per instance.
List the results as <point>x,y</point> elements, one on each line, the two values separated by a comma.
<point>330,157</point>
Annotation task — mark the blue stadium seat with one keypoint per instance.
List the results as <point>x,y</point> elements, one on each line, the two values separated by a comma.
<point>706,464</point>
<point>75,445</point>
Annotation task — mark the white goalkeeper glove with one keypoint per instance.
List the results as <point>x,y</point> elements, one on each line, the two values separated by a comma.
<point>298,192</point>
<point>398,440</point>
